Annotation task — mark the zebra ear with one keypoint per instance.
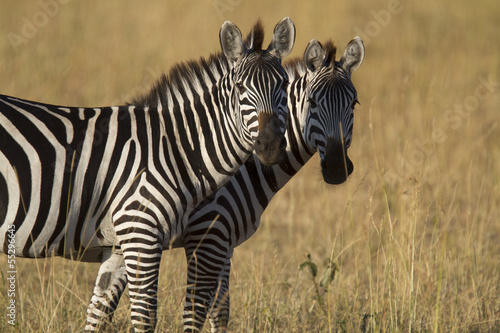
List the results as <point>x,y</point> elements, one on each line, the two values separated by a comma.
<point>231,41</point>
<point>314,55</point>
<point>249,41</point>
<point>283,38</point>
<point>353,55</point>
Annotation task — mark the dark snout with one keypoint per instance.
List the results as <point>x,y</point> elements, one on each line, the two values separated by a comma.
<point>336,165</point>
<point>270,144</point>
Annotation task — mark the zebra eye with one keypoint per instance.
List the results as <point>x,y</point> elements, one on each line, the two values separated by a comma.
<point>240,87</point>
<point>312,103</point>
<point>285,85</point>
<point>354,104</point>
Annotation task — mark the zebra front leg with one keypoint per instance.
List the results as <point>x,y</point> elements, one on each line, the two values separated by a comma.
<point>110,284</point>
<point>219,311</point>
<point>205,264</point>
<point>142,255</point>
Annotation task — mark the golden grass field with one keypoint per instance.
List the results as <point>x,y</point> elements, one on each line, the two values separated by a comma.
<point>414,234</point>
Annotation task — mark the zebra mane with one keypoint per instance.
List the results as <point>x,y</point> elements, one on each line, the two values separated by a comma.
<point>295,67</point>
<point>190,73</point>
<point>255,37</point>
<point>194,73</point>
<point>330,52</point>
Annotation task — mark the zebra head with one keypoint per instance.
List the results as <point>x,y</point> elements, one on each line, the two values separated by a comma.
<point>258,87</point>
<point>331,98</point>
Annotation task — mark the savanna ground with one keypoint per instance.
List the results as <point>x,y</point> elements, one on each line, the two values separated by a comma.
<point>413,236</point>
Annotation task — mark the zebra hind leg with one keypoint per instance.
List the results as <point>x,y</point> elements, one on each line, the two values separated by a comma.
<point>110,284</point>
<point>219,310</point>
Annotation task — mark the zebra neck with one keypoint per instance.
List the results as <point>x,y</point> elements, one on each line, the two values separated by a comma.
<point>200,134</point>
<point>299,111</point>
<point>297,151</point>
<point>298,106</point>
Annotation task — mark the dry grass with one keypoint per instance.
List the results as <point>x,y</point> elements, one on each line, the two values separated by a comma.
<point>415,232</point>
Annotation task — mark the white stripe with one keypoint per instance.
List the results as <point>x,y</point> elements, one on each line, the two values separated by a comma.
<point>24,231</point>
<point>13,193</point>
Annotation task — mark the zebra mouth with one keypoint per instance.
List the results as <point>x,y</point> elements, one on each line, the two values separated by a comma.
<point>270,148</point>
<point>336,172</point>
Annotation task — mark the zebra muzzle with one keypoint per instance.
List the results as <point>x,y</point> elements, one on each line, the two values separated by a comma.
<point>336,166</point>
<point>270,144</point>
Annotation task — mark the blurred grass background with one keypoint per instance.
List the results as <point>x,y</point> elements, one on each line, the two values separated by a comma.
<point>414,234</point>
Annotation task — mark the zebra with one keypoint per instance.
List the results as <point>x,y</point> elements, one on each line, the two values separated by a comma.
<point>97,184</point>
<point>321,100</point>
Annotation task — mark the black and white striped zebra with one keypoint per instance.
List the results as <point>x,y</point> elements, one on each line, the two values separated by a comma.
<point>321,100</point>
<point>96,184</point>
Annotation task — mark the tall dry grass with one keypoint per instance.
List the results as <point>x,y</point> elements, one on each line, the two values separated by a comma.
<point>414,234</point>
